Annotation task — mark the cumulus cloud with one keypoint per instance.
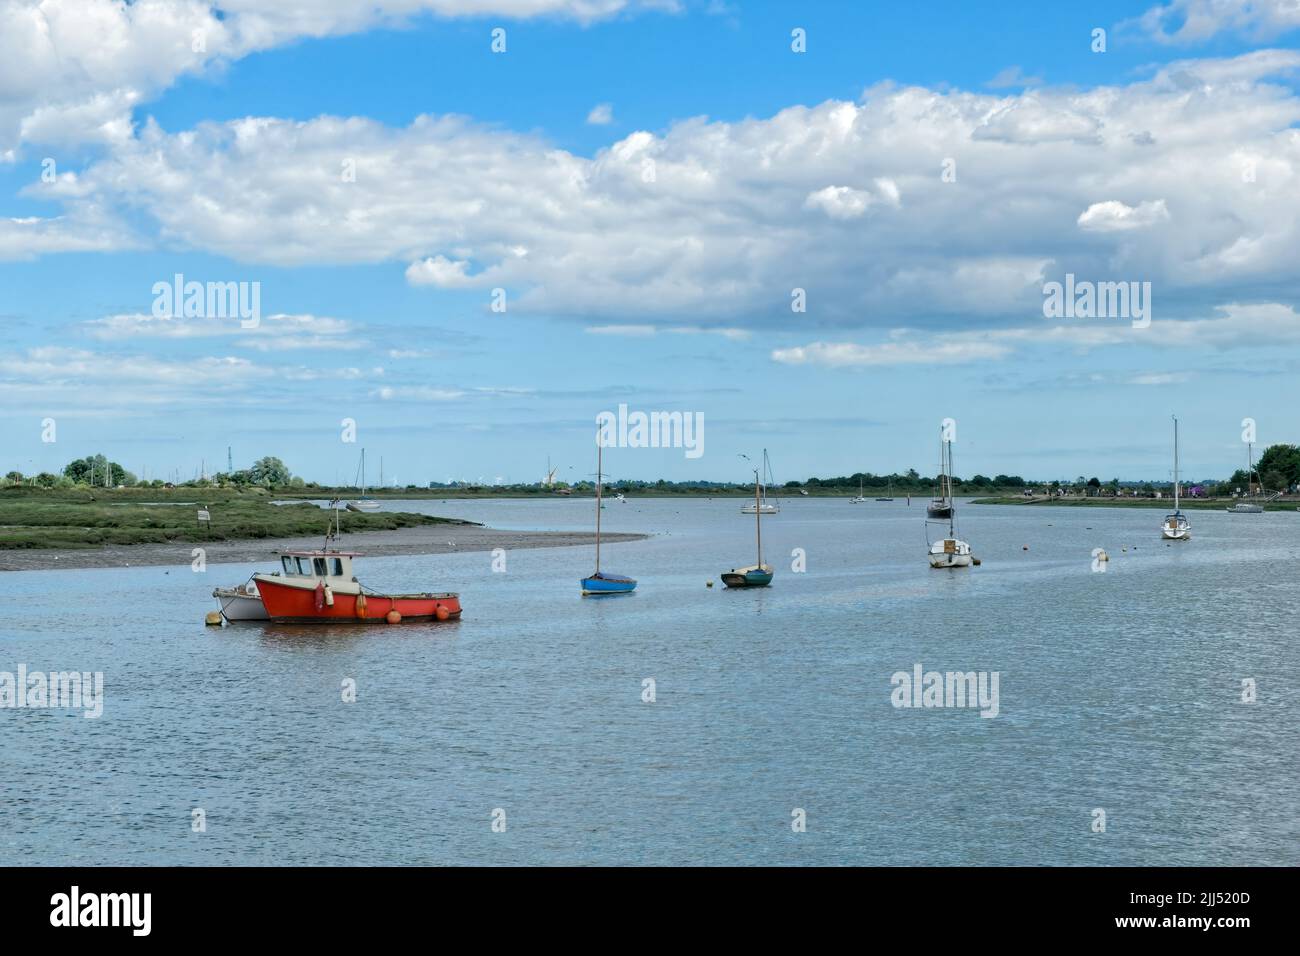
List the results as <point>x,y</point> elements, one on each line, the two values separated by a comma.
<point>71,70</point>
<point>1115,216</point>
<point>714,223</point>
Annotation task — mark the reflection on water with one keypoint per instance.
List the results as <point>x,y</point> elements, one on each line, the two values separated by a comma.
<point>1119,689</point>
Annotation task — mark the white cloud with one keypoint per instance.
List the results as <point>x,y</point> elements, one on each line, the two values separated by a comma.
<point>706,223</point>
<point>1115,216</point>
<point>602,114</point>
<point>71,70</point>
<point>275,333</point>
<point>441,272</point>
<point>1194,21</point>
<point>1237,326</point>
<point>1013,76</point>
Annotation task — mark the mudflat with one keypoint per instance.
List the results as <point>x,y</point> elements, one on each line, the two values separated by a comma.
<point>423,539</point>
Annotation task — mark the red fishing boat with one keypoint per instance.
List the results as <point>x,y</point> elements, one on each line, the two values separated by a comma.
<point>318,587</point>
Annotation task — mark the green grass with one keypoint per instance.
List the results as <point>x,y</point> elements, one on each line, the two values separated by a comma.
<point>36,518</point>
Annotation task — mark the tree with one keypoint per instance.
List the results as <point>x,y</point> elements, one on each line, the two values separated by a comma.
<point>1282,462</point>
<point>269,471</point>
<point>15,476</point>
<point>100,469</point>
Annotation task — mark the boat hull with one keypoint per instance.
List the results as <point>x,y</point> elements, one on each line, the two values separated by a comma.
<point>286,604</point>
<point>950,553</point>
<point>362,506</point>
<point>238,604</point>
<point>746,578</point>
<point>938,511</point>
<point>1245,510</point>
<point>602,584</point>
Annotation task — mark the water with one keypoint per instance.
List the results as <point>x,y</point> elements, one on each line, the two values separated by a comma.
<point>1118,690</point>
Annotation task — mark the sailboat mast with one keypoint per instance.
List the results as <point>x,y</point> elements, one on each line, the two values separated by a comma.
<point>599,449</point>
<point>952,531</point>
<point>1175,463</point>
<point>758,522</point>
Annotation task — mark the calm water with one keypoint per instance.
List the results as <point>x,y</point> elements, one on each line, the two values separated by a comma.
<point>1118,690</point>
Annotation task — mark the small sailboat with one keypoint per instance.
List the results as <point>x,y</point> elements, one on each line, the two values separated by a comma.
<point>756,575</point>
<point>949,551</point>
<point>1176,526</point>
<point>762,505</point>
<point>941,506</point>
<point>603,582</point>
<point>1248,507</point>
<point>859,499</point>
<point>362,503</point>
<point>890,497</point>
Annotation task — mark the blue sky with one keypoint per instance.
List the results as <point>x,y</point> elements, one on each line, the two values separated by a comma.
<point>1171,158</point>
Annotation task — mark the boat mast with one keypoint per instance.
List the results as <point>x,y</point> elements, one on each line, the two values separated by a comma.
<point>1175,417</point>
<point>758,522</point>
<point>599,449</point>
<point>952,531</point>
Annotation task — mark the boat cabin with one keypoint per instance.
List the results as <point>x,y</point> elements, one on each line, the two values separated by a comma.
<point>328,566</point>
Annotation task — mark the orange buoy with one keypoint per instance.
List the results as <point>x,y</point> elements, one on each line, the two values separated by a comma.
<point>440,612</point>
<point>393,617</point>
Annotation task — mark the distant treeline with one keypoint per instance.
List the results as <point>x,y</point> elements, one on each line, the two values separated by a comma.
<point>1278,469</point>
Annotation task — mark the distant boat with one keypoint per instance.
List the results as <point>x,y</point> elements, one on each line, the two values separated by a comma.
<point>602,582</point>
<point>949,551</point>
<point>756,575</point>
<point>859,499</point>
<point>1176,526</point>
<point>763,506</point>
<point>362,503</point>
<point>1247,507</point>
<point>891,492</point>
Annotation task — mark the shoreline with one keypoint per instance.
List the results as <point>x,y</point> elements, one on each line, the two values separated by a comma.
<point>1193,504</point>
<point>419,540</point>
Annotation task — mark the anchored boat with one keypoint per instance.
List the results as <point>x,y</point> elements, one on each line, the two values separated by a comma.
<point>756,575</point>
<point>318,587</point>
<point>1176,526</point>
<point>762,505</point>
<point>242,603</point>
<point>603,582</point>
<point>1248,507</point>
<point>949,551</point>
<point>363,503</point>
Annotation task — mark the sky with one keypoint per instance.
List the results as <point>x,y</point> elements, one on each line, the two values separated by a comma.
<point>822,227</point>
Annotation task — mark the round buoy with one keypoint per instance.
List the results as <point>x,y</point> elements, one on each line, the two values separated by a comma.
<point>213,619</point>
<point>1024,547</point>
<point>975,561</point>
<point>393,617</point>
<point>441,612</point>
<point>708,584</point>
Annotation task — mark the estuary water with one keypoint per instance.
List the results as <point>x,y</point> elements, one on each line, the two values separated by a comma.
<point>1118,690</point>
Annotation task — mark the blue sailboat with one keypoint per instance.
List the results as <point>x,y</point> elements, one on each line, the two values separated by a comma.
<point>604,582</point>
<point>756,575</point>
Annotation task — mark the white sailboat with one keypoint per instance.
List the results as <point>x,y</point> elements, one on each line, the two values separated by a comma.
<point>762,506</point>
<point>363,503</point>
<point>949,551</point>
<point>1176,526</point>
<point>859,499</point>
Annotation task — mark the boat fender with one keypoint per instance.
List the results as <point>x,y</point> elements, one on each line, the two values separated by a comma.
<point>329,596</point>
<point>393,617</point>
<point>320,596</point>
<point>361,605</point>
<point>441,612</point>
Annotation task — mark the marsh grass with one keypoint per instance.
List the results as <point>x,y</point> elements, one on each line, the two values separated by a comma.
<point>80,518</point>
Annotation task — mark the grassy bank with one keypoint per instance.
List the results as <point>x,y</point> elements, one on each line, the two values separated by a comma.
<point>1186,504</point>
<point>38,518</point>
